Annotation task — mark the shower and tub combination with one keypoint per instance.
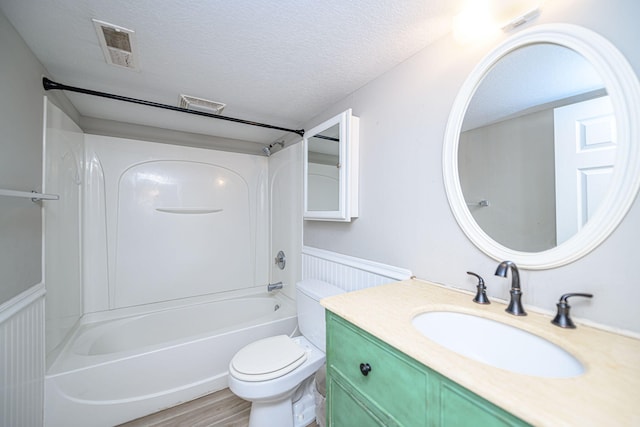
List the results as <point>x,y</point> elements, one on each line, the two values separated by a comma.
<point>115,370</point>
<point>175,265</point>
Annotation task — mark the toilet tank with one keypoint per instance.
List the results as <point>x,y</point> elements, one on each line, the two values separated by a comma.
<point>311,319</point>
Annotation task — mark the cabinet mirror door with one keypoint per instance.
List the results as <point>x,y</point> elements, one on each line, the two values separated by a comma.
<point>330,169</point>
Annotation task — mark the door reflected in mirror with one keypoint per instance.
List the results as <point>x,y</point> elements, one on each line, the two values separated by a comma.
<point>537,147</point>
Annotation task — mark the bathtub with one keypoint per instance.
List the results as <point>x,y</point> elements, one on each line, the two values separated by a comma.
<point>115,370</point>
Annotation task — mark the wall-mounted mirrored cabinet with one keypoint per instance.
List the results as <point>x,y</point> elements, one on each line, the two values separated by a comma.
<point>331,169</point>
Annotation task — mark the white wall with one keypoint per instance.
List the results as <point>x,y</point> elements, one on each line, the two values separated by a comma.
<point>405,218</point>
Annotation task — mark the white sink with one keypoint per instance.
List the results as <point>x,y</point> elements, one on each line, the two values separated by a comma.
<point>497,344</point>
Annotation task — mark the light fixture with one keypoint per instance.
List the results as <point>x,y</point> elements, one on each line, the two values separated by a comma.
<point>473,22</point>
<point>527,16</point>
<point>480,19</point>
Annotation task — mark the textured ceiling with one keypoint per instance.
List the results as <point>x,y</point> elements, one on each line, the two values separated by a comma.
<point>280,62</point>
<point>528,78</point>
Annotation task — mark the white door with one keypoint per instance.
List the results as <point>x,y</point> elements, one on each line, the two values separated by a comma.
<point>585,149</point>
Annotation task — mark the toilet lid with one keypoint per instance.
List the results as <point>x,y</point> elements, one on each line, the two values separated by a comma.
<point>267,359</point>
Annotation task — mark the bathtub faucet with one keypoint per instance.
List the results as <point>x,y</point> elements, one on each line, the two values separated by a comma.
<point>273,286</point>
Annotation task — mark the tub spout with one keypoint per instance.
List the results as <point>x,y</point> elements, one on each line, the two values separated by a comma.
<point>273,286</point>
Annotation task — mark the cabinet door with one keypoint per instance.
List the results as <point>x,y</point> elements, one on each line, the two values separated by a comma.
<point>459,407</point>
<point>346,408</point>
<point>396,384</point>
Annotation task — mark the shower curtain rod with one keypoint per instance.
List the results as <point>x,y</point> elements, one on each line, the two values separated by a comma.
<point>329,138</point>
<point>51,85</point>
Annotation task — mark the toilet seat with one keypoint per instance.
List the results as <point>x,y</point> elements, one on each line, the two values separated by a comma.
<point>267,359</point>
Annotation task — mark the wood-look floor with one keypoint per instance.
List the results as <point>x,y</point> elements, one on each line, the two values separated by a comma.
<point>221,408</point>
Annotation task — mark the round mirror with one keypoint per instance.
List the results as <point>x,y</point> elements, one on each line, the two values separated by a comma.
<point>538,162</point>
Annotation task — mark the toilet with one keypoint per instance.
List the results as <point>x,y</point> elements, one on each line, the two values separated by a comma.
<point>276,374</point>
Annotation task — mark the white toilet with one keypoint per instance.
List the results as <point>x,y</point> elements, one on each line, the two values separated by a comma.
<point>276,374</point>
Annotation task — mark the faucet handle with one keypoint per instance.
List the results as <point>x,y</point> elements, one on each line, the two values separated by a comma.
<point>481,294</point>
<point>562,318</point>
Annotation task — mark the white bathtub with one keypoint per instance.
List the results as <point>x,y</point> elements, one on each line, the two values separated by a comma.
<point>112,371</point>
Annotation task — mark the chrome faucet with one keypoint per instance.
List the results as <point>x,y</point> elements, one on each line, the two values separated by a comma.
<point>273,286</point>
<point>515,305</point>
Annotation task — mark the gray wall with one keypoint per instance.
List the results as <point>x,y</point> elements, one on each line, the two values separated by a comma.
<point>21,112</point>
<point>522,209</point>
<point>405,218</point>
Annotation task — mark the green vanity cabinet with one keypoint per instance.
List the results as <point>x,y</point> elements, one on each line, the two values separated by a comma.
<point>393,393</point>
<point>396,390</point>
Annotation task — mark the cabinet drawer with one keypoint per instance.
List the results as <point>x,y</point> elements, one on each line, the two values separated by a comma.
<point>394,383</point>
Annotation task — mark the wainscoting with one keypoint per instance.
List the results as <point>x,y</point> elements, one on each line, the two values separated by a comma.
<point>347,272</point>
<point>22,356</point>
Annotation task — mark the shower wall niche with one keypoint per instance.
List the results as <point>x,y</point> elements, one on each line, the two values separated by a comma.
<point>166,222</point>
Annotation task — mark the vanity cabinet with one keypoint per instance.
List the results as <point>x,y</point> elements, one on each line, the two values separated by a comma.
<point>393,393</point>
<point>369,383</point>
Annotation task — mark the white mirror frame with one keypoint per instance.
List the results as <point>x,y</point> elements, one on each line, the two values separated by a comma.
<point>623,88</point>
<point>348,173</point>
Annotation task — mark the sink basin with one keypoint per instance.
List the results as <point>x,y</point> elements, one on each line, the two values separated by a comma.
<point>497,344</point>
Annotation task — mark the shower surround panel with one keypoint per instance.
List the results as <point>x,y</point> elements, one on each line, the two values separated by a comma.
<point>165,222</point>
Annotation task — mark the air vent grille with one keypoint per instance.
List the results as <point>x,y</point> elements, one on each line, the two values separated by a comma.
<point>118,44</point>
<point>116,39</point>
<point>200,104</point>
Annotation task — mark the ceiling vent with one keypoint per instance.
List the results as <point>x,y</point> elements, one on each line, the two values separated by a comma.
<point>200,104</point>
<point>118,44</point>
